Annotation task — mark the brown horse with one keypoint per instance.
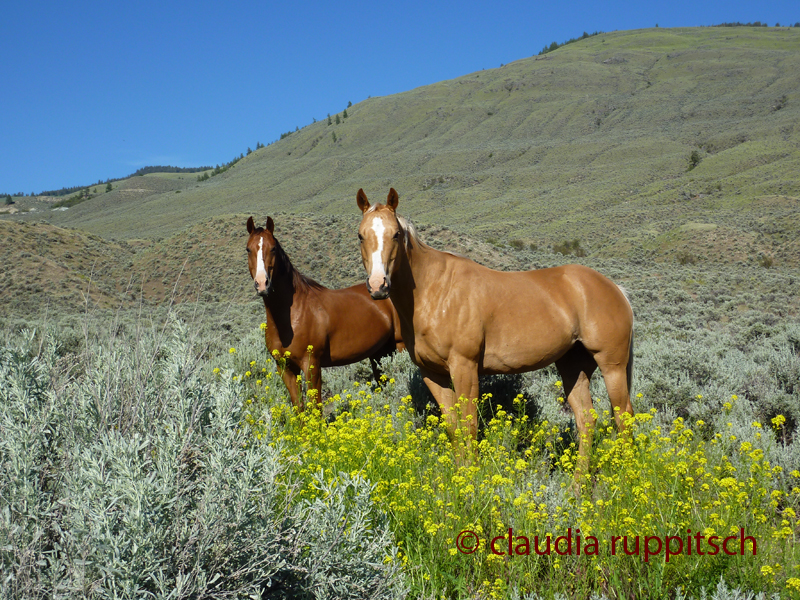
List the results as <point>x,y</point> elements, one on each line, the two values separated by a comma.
<point>460,320</point>
<point>341,326</point>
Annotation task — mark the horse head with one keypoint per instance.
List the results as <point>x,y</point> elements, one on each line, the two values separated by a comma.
<point>261,255</point>
<point>381,237</point>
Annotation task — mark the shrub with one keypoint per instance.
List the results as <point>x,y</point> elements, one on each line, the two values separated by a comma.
<point>126,472</point>
<point>569,248</point>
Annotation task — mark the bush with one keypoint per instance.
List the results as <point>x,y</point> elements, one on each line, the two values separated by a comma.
<point>569,248</point>
<point>126,473</point>
<point>694,159</point>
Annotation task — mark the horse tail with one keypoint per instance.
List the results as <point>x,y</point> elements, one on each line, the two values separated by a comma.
<point>629,369</point>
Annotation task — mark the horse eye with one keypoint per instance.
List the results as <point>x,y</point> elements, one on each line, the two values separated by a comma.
<point>360,238</point>
<point>396,235</point>
<point>248,250</point>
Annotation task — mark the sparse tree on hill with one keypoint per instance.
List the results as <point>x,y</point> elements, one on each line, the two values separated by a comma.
<point>344,114</point>
<point>338,120</point>
<point>109,187</point>
<point>9,200</point>
<point>694,159</point>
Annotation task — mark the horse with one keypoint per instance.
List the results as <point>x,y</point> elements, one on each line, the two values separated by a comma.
<point>319,327</point>
<point>460,320</point>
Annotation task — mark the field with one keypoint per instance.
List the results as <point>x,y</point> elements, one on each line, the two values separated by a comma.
<point>116,419</point>
<point>147,444</point>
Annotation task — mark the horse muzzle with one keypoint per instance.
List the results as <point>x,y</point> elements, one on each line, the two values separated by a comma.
<point>381,293</point>
<point>262,288</point>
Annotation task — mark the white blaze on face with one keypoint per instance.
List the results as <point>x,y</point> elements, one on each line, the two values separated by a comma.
<point>378,272</point>
<point>261,270</point>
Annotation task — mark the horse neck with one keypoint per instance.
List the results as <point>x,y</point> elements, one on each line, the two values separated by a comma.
<point>284,294</point>
<point>418,268</point>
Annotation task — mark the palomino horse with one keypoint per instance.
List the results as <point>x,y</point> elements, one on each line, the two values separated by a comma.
<point>460,320</point>
<point>341,326</point>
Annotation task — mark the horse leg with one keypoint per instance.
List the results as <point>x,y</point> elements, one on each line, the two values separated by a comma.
<point>439,385</point>
<point>314,382</point>
<point>376,370</point>
<point>576,368</point>
<point>464,373</point>
<point>289,375</point>
<point>457,404</point>
<point>616,378</point>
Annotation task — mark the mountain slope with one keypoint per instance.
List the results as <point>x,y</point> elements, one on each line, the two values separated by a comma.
<point>593,141</point>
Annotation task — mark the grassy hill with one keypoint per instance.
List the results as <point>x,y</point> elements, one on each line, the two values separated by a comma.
<point>622,140</point>
<point>674,146</point>
<point>42,265</point>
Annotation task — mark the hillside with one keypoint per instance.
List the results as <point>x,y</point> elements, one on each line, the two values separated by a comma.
<point>43,267</point>
<point>594,141</point>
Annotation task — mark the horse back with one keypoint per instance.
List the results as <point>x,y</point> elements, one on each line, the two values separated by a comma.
<point>522,320</point>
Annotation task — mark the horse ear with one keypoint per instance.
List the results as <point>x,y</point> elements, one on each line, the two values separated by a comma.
<point>270,226</point>
<point>361,200</point>
<point>392,199</point>
<point>250,225</point>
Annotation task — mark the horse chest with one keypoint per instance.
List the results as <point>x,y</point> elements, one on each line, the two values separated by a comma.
<point>431,347</point>
<point>425,356</point>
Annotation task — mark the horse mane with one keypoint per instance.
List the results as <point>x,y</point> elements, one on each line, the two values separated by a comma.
<point>412,238</point>
<point>298,279</point>
<point>410,233</point>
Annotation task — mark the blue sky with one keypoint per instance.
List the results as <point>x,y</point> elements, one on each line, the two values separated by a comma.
<point>95,90</point>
